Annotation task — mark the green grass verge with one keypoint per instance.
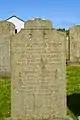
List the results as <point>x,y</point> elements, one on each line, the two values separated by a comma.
<point>5,94</point>
<point>73,90</point>
<point>73,79</point>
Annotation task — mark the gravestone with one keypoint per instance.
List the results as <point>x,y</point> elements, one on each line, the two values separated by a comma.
<point>6,30</point>
<point>74,34</point>
<point>38,81</point>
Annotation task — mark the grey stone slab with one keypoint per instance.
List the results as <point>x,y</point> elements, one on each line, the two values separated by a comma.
<point>74,35</point>
<point>38,23</point>
<point>6,30</point>
<point>38,74</point>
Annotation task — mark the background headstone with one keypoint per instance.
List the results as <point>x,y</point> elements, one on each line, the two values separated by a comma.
<point>38,81</point>
<point>6,30</point>
<point>38,23</point>
<point>74,34</point>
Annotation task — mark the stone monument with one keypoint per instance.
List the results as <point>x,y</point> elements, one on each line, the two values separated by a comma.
<point>38,78</point>
<point>6,30</point>
<point>74,34</point>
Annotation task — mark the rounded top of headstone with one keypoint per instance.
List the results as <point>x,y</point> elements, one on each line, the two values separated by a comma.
<point>38,23</point>
<point>6,27</point>
<point>74,30</point>
<point>75,27</point>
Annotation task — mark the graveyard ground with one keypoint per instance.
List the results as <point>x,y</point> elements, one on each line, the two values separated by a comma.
<point>73,93</point>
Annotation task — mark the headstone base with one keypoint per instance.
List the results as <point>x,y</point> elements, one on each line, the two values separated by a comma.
<point>67,118</point>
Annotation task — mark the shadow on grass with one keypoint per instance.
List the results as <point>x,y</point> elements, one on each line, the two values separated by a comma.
<point>1,116</point>
<point>73,103</point>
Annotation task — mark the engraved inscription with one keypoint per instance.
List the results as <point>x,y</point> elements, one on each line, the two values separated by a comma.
<point>37,71</point>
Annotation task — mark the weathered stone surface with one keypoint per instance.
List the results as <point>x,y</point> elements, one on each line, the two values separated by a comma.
<point>38,82</point>
<point>6,27</point>
<point>67,48</point>
<point>74,34</point>
<point>38,23</point>
<point>6,30</point>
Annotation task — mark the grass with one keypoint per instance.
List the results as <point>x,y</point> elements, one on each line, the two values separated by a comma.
<point>73,90</point>
<point>73,79</point>
<point>73,93</point>
<point>70,113</point>
<point>4,98</point>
